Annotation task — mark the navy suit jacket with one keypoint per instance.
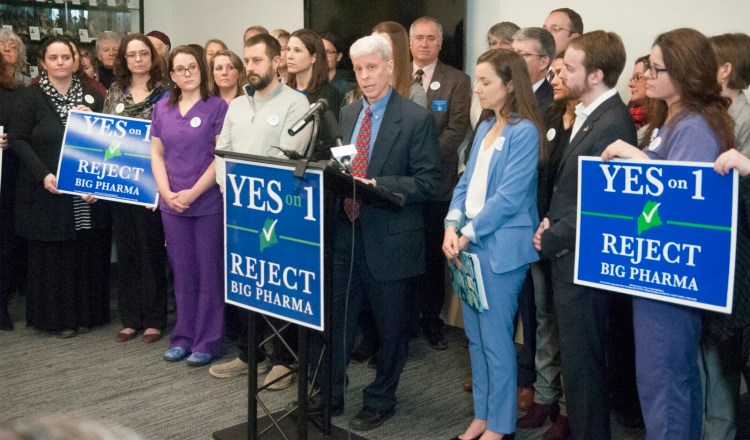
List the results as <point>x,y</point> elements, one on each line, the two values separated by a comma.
<point>609,122</point>
<point>404,160</point>
<point>545,96</point>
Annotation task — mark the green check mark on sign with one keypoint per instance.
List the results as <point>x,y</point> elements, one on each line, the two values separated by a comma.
<point>268,234</point>
<point>649,218</point>
<point>113,150</point>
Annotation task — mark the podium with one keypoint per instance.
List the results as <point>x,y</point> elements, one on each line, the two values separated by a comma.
<point>279,216</point>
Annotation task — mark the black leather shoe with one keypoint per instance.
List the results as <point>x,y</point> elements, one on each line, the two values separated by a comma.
<point>435,338</point>
<point>370,418</point>
<point>315,407</point>
<point>364,350</point>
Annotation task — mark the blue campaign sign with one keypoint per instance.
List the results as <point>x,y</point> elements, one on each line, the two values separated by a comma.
<point>658,229</point>
<point>274,241</point>
<point>109,157</point>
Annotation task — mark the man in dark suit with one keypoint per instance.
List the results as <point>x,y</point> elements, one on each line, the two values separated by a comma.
<point>537,47</point>
<point>593,63</point>
<point>449,99</point>
<point>396,149</point>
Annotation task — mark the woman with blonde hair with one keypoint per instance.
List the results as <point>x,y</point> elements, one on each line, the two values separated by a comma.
<point>226,75</point>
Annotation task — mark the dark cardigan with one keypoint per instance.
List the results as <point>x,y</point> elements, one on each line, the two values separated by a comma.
<point>36,135</point>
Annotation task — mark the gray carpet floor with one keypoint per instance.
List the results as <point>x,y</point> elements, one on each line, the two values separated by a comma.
<point>129,384</point>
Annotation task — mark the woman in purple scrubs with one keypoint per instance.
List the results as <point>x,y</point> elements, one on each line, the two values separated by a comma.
<point>184,132</point>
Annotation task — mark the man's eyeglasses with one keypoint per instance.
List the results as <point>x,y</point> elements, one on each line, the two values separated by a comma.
<point>555,28</point>
<point>652,70</point>
<point>182,70</point>
<point>527,54</point>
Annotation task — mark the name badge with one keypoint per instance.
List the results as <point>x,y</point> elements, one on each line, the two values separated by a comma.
<point>439,105</point>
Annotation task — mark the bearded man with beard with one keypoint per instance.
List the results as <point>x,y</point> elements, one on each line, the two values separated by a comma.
<point>593,64</point>
<point>257,123</point>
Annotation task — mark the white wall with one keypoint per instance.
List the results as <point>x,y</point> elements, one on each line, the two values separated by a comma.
<point>195,21</point>
<point>638,23</point>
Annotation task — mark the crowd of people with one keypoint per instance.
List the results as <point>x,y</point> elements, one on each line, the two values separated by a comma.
<point>491,169</point>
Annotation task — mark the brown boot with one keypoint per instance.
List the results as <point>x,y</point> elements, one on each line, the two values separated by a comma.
<point>560,429</point>
<point>525,398</point>
<point>468,385</point>
<point>537,415</point>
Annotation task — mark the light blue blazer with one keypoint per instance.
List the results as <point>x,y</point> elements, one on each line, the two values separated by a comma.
<point>505,226</point>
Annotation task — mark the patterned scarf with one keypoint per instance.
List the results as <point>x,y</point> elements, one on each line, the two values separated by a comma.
<point>62,104</point>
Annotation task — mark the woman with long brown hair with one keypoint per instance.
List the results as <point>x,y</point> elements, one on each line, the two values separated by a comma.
<point>498,189</point>
<point>401,81</point>
<point>139,237</point>
<point>689,122</point>
<point>226,75</point>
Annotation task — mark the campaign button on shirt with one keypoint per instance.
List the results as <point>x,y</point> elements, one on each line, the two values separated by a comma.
<point>89,99</point>
<point>120,107</point>
<point>273,120</point>
<point>435,85</point>
<point>551,133</point>
<point>195,122</point>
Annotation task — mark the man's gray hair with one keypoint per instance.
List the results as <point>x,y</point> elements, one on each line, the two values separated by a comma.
<point>426,19</point>
<point>369,45</point>
<point>7,34</point>
<point>107,36</point>
<point>541,35</point>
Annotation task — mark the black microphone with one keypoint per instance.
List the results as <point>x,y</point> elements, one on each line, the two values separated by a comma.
<point>332,127</point>
<point>319,105</point>
<point>290,154</point>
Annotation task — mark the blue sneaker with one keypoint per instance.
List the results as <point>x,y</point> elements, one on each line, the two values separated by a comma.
<point>174,354</point>
<point>198,359</point>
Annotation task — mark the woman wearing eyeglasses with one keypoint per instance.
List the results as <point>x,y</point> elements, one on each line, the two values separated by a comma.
<point>638,104</point>
<point>138,233</point>
<point>183,137</point>
<point>14,54</point>
<point>227,75</point>
<point>689,123</point>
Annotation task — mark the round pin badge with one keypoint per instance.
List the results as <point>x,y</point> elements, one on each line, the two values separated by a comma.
<point>435,85</point>
<point>120,107</point>
<point>273,120</point>
<point>195,122</point>
<point>655,142</point>
<point>89,99</point>
<point>551,133</point>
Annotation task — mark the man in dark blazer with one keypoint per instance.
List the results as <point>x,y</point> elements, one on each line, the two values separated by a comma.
<point>397,147</point>
<point>593,63</point>
<point>449,99</point>
<point>537,47</point>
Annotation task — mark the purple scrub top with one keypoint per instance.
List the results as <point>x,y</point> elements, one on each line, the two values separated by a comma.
<point>189,142</point>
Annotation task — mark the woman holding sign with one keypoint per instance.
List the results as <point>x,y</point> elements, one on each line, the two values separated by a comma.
<point>183,137</point>
<point>69,236</point>
<point>689,123</point>
<point>138,232</point>
<point>492,215</point>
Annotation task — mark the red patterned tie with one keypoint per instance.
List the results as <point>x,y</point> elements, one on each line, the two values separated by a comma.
<point>359,164</point>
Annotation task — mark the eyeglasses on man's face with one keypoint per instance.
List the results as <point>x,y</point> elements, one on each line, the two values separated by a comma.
<point>182,70</point>
<point>555,28</point>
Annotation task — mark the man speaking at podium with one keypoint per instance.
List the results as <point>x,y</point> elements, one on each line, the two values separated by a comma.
<point>397,149</point>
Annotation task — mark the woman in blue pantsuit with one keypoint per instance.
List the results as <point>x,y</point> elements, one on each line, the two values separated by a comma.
<point>492,214</point>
